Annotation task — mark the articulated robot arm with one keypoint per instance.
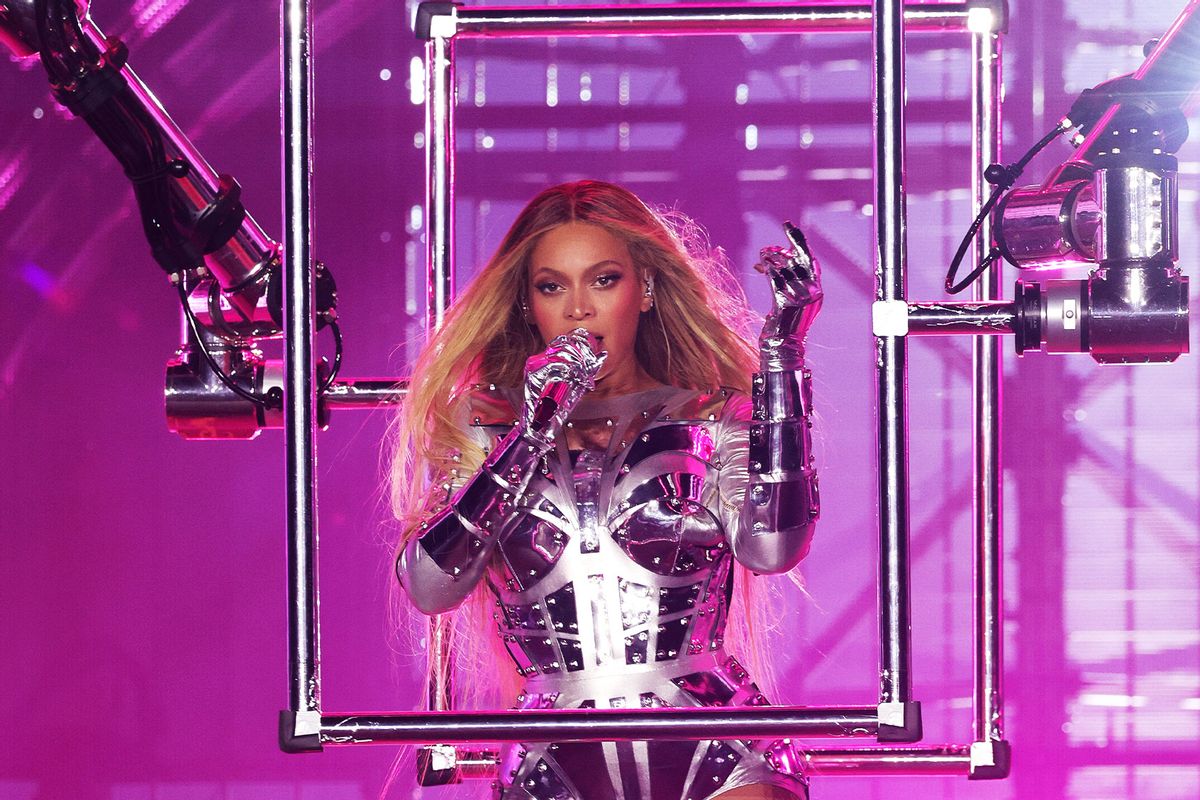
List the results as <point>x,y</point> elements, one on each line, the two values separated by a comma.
<point>1112,205</point>
<point>223,264</point>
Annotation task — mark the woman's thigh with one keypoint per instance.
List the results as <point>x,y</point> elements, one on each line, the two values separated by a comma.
<point>757,791</point>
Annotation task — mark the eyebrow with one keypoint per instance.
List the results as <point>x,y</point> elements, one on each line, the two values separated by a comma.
<point>553,272</point>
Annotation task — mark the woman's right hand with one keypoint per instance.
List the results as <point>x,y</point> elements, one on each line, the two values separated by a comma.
<point>557,378</point>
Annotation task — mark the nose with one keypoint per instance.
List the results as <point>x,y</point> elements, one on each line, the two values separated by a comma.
<point>579,307</point>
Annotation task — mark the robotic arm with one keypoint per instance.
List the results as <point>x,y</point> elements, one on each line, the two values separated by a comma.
<point>1112,204</point>
<point>222,263</point>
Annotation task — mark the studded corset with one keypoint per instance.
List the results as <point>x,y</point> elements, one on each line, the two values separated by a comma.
<point>613,582</point>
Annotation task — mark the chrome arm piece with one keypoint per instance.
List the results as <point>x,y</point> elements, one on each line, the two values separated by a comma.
<point>781,503</point>
<point>441,566</point>
<point>227,270</point>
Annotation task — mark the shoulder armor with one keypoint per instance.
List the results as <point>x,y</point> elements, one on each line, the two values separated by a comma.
<point>488,404</point>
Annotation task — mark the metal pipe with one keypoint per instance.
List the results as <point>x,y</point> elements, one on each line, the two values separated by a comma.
<point>576,725</point>
<point>988,723</point>
<point>895,684</point>
<point>365,393</point>
<point>934,319</point>
<point>940,760</point>
<point>692,20</point>
<point>439,177</point>
<point>299,385</point>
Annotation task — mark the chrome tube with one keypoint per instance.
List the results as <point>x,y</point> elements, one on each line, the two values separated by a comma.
<point>574,725</point>
<point>365,393</point>
<point>299,386</point>
<point>439,177</point>
<point>941,760</point>
<point>987,368</point>
<point>895,683</point>
<point>691,20</point>
<point>940,319</point>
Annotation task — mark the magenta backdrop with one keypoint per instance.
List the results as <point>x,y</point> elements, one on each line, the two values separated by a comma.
<point>144,615</point>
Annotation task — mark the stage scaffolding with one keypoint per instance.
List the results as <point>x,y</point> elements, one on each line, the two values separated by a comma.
<point>896,716</point>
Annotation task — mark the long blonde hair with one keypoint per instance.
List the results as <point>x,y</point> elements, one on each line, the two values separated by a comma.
<point>695,337</point>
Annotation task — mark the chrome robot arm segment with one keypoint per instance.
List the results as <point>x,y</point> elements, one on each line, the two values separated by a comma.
<point>192,216</point>
<point>1113,206</point>
<point>781,504</point>
<point>221,262</point>
<point>441,565</point>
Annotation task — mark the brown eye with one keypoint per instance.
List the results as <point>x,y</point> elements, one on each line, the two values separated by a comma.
<point>611,279</point>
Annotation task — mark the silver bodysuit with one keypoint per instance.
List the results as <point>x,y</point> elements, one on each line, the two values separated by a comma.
<point>613,581</point>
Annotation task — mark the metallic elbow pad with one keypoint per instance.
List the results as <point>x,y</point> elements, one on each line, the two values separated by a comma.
<point>448,545</point>
<point>457,537</point>
<point>777,507</point>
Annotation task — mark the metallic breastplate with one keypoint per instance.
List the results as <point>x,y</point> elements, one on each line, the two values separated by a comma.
<point>621,563</point>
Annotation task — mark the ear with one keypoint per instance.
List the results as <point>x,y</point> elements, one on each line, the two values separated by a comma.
<point>647,293</point>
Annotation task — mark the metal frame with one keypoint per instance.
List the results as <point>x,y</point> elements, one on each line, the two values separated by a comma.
<point>896,717</point>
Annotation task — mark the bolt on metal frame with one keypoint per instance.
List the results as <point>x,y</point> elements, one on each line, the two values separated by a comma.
<point>896,718</point>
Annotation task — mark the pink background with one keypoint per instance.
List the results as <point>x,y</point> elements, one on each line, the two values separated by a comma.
<point>142,595</point>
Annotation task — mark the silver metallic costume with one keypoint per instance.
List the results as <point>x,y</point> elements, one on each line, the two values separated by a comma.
<point>608,542</point>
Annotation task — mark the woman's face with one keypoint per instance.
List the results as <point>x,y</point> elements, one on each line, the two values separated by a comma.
<point>582,276</point>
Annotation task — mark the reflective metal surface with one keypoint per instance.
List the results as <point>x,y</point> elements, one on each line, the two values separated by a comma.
<point>199,406</point>
<point>599,725</point>
<point>650,20</point>
<point>365,392</point>
<point>439,177</point>
<point>299,392</point>
<point>891,353</point>
<point>935,319</point>
<point>987,377</point>
<point>1140,207</point>
<point>946,760</point>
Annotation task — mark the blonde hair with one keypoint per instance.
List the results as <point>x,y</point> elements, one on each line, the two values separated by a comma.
<point>695,337</point>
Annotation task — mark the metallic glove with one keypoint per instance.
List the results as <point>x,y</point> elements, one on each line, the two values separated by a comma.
<point>442,565</point>
<point>782,502</point>
<point>556,379</point>
<point>796,284</point>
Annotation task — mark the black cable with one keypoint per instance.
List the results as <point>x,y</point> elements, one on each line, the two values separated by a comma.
<point>337,356</point>
<point>273,400</point>
<point>1002,177</point>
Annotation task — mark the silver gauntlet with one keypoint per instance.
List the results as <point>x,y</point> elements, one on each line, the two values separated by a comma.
<point>782,502</point>
<point>442,564</point>
<point>796,288</point>
<point>556,379</point>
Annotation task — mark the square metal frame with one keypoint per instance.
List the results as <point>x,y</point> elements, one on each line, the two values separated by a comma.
<point>896,717</point>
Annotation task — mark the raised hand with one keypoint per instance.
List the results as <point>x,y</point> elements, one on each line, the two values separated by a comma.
<point>796,288</point>
<point>557,378</point>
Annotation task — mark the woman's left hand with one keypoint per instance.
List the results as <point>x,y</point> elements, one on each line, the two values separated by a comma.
<point>796,287</point>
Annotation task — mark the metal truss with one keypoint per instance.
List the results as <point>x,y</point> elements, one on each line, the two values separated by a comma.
<point>895,717</point>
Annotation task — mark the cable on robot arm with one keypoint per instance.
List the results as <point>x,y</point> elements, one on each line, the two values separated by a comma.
<point>199,231</point>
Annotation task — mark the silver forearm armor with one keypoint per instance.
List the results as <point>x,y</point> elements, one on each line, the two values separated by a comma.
<point>782,501</point>
<point>781,504</point>
<point>442,564</point>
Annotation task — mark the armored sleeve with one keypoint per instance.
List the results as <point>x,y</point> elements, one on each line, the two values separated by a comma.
<point>768,480</point>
